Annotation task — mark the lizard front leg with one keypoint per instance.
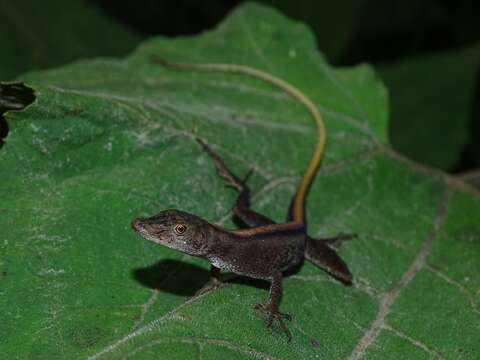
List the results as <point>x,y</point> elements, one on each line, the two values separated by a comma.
<point>271,308</point>
<point>213,282</point>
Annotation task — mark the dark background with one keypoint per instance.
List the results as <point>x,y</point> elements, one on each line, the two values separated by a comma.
<point>379,30</point>
<point>427,52</point>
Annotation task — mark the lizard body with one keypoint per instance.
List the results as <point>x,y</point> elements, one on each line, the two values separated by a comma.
<point>265,249</point>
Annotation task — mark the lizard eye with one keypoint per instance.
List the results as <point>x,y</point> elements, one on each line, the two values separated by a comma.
<point>180,229</point>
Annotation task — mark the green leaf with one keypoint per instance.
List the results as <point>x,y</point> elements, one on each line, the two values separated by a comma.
<point>40,34</point>
<point>110,140</point>
<point>431,101</point>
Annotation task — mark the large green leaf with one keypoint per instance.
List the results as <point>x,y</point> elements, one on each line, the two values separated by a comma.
<point>40,34</point>
<point>109,140</point>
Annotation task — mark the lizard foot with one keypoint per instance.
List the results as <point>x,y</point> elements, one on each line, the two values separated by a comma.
<point>336,241</point>
<point>211,285</point>
<point>276,315</point>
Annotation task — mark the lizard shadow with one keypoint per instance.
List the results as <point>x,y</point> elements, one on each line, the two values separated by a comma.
<point>172,276</point>
<point>181,278</point>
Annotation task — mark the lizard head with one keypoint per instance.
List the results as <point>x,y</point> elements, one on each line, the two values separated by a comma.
<point>177,230</point>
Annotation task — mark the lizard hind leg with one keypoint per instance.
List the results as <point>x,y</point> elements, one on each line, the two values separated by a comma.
<point>336,241</point>
<point>242,204</point>
<point>320,253</point>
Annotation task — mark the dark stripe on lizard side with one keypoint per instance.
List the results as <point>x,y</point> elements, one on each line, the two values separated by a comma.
<point>290,228</point>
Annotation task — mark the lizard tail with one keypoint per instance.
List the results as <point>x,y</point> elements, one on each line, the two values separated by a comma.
<point>297,209</point>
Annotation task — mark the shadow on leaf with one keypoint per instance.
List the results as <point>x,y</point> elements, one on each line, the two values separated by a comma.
<point>173,276</point>
<point>184,279</point>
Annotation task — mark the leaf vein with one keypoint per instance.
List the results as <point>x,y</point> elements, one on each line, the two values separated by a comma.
<point>388,299</point>
<point>413,341</point>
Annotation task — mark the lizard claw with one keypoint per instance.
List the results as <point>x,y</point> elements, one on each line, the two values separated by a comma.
<point>276,315</point>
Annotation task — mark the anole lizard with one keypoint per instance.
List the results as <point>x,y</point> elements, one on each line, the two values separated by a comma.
<point>265,249</point>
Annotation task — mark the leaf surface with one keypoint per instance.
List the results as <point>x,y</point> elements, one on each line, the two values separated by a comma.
<point>109,140</point>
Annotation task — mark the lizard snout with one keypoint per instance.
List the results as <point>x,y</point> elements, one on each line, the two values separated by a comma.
<point>137,224</point>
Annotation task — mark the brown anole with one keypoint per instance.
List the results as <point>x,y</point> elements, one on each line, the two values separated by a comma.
<point>265,249</point>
